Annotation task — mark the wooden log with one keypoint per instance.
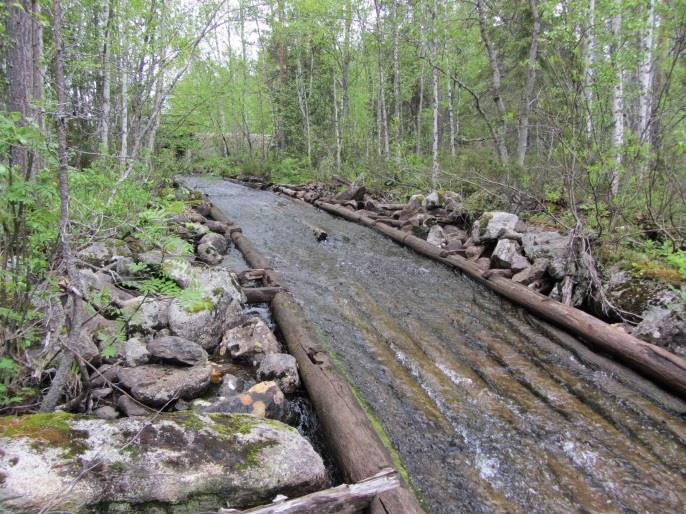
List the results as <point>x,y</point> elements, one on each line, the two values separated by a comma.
<point>346,498</point>
<point>251,275</point>
<point>218,215</point>
<point>261,294</point>
<point>390,221</point>
<point>358,450</point>
<point>250,253</point>
<point>658,364</point>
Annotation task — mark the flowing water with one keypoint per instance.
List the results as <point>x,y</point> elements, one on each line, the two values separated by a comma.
<point>489,409</point>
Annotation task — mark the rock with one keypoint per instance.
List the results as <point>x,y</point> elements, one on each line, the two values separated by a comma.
<point>177,350</point>
<point>182,461</point>
<point>147,314</point>
<point>282,368</point>
<point>483,263</point>
<point>519,263</point>
<point>264,399</point>
<point>100,290</point>
<point>414,203</point>
<point>504,254</point>
<point>106,412</point>
<point>453,232</point>
<point>473,252</point>
<point>454,245</point>
<point>220,309</point>
<point>180,271</point>
<point>208,254</point>
<point>532,273</point>
<point>432,201</point>
<point>104,375</point>
<point>249,342</point>
<point>548,245</point>
<point>217,241</point>
<point>491,223</point>
<point>97,254</point>
<point>130,408</point>
<point>157,385</point>
<point>84,346</point>
<point>436,236</point>
<point>151,257</point>
<point>135,352</point>
<point>231,385</point>
<point>101,392</point>
<point>191,232</point>
<point>102,253</point>
<point>664,323</point>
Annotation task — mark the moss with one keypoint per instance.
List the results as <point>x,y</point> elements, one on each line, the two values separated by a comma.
<point>45,429</point>
<point>232,424</point>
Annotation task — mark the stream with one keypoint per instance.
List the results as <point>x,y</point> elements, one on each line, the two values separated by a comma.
<point>489,409</point>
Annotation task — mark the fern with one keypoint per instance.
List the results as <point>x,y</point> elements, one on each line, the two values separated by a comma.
<point>155,285</point>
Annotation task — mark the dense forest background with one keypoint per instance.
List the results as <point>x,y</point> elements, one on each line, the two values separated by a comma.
<point>570,113</point>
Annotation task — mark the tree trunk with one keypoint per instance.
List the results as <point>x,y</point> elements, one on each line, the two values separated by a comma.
<point>303,103</point>
<point>497,93</point>
<point>336,124</point>
<point>452,121</point>
<point>646,75</point>
<point>588,67</point>
<point>124,115</point>
<point>530,81</point>
<point>436,83</point>
<point>617,105</point>
<point>20,61</point>
<point>74,330</point>
<point>383,114</point>
<point>420,103</point>
<point>281,136</point>
<point>104,121</point>
<point>397,111</point>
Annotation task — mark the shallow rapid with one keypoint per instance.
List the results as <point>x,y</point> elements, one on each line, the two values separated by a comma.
<point>489,409</point>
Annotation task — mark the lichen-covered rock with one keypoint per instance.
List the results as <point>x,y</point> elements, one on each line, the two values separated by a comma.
<point>217,308</point>
<point>531,274</point>
<point>548,245</point>
<point>157,384</point>
<point>208,254</point>
<point>100,290</point>
<point>136,353</point>
<point>180,271</point>
<point>264,400</point>
<point>146,314</point>
<point>217,241</point>
<point>504,254</point>
<point>177,350</point>
<point>171,460</point>
<point>250,342</point>
<point>433,200</point>
<point>490,225</point>
<point>191,232</point>
<point>282,368</point>
<point>129,407</point>
<point>436,236</point>
<point>101,253</point>
<point>474,252</point>
<point>665,323</point>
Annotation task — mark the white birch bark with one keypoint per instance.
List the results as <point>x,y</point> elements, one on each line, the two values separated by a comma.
<point>435,168</point>
<point>104,121</point>
<point>645,74</point>
<point>397,113</point>
<point>590,49</point>
<point>617,105</point>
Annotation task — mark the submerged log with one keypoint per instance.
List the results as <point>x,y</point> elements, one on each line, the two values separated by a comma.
<point>346,498</point>
<point>261,294</point>
<point>660,365</point>
<point>319,233</point>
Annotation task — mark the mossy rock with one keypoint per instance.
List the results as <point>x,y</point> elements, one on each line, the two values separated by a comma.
<point>180,462</point>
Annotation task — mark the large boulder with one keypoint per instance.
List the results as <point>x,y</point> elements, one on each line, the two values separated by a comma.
<point>282,368</point>
<point>180,462</point>
<point>101,253</point>
<point>664,323</point>
<point>264,400</point>
<point>214,307</point>
<point>158,385</point>
<point>146,314</point>
<point>217,241</point>
<point>177,350</point>
<point>548,245</point>
<point>250,342</point>
<point>100,290</point>
<point>208,254</point>
<point>491,225</point>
